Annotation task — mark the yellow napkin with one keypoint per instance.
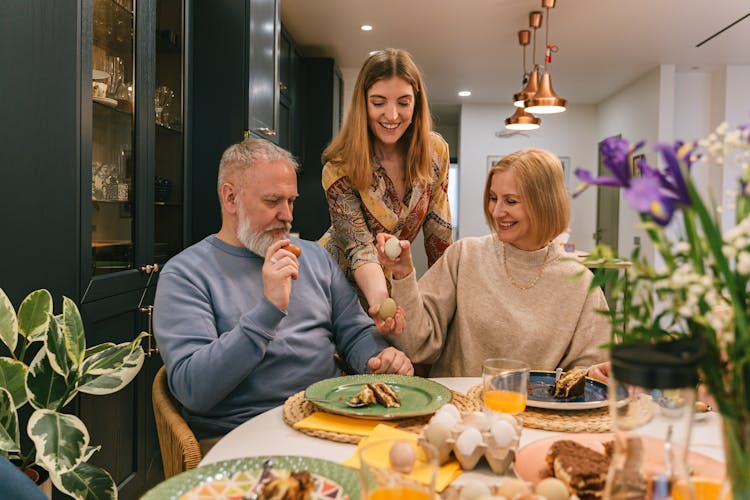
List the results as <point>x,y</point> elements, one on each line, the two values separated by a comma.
<point>322,421</point>
<point>447,472</point>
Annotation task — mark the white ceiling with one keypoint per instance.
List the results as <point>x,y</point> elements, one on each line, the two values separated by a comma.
<point>473,44</point>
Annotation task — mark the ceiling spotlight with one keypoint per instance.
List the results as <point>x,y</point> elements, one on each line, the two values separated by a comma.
<point>366,27</point>
<point>465,93</point>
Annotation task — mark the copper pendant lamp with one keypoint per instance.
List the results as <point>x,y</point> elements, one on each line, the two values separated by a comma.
<point>530,81</point>
<point>521,120</point>
<point>545,100</point>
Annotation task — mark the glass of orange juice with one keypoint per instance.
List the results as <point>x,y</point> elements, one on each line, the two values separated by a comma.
<point>394,469</point>
<point>504,385</point>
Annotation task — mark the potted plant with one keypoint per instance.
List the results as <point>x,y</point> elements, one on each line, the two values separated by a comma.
<point>48,364</point>
<point>701,286</point>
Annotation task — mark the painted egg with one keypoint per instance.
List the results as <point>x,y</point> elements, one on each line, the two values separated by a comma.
<point>552,488</point>
<point>392,248</point>
<point>297,251</point>
<point>513,487</point>
<point>402,457</point>
<point>387,308</point>
<point>474,490</point>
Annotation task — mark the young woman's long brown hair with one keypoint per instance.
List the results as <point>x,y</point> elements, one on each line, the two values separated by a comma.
<point>353,146</point>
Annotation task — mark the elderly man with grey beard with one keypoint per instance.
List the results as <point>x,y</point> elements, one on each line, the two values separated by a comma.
<point>242,322</point>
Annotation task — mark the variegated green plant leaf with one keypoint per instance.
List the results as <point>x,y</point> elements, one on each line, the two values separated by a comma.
<point>114,380</point>
<point>90,351</point>
<point>46,387</point>
<point>61,440</point>
<point>9,433</point>
<point>90,452</point>
<point>86,482</point>
<point>57,351</point>
<point>13,379</point>
<point>33,315</point>
<point>110,359</point>
<point>75,340</point>
<point>8,322</point>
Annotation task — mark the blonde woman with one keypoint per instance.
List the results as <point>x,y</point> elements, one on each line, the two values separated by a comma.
<point>510,294</point>
<point>385,172</point>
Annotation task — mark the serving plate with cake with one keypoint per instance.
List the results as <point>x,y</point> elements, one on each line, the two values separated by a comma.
<point>378,397</point>
<point>572,391</point>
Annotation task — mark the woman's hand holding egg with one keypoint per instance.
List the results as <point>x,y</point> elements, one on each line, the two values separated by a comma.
<point>394,254</point>
<point>389,318</point>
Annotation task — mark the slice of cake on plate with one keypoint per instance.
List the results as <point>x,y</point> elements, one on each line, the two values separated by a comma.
<point>571,384</point>
<point>581,468</point>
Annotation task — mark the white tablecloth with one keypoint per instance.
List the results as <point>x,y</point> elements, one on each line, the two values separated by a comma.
<point>268,434</point>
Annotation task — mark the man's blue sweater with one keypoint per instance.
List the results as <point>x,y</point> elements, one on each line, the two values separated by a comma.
<point>231,354</point>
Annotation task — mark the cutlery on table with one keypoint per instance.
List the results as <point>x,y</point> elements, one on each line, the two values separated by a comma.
<point>321,400</point>
<point>253,495</point>
<point>558,373</point>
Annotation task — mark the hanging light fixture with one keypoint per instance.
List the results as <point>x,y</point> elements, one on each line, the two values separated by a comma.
<point>521,120</point>
<point>532,79</point>
<point>545,100</point>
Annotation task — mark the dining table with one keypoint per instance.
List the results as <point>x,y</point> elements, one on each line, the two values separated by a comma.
<point>268,434</point>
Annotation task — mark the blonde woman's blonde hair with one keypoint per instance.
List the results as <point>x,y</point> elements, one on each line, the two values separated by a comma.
<point>540,181</point>
<point>353,146</point>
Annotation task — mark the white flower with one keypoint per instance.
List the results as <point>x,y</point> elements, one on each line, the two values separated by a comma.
<point>743,263</point>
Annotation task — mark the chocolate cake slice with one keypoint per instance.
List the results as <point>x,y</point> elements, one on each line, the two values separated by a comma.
<point>582,469</point>
<point>571,384</point>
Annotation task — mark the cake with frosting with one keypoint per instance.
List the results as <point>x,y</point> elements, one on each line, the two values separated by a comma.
<point>582,469</point>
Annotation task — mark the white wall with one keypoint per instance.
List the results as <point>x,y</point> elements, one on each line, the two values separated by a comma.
<point>571,134</point>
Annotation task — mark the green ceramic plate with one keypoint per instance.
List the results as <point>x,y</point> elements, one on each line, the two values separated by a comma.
<point>236,478</point>
<point>419,396</point>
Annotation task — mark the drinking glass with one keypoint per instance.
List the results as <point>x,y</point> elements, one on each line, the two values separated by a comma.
<point>504,382</point>
<point>385,474</point>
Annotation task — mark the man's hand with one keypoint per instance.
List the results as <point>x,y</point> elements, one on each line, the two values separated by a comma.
<point>391,360</point>
<point>280,268</point>
<point>402,265</point>
<point>394,325</point>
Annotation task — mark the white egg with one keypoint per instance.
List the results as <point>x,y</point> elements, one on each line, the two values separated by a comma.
<point>503,433</point>
<point>392,248</point>
<point>402,457</point>
<point>468,441</point>
<point>552,488</point>
<point>437,433</point>
<point>452,409</point>
<point>477,419</point>
<point>445,418</point>
<point>474,490</point>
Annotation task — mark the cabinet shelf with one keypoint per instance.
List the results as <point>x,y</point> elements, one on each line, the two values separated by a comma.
<point>113,27</point>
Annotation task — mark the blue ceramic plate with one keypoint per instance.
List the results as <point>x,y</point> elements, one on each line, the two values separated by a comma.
<point>540,396</point>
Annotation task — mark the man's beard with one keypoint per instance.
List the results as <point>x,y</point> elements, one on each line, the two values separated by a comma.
<point>255,240</point>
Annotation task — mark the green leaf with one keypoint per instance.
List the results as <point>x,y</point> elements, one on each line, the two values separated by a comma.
<point>33,315</point>
<point>61,440</point>
<point>75,340</point>
<point>57,352</point>
<point>111,358</point>
<point>86,482</point>
<point>8,322</point>
<point>13,379</point>
<point>46,387</point>
<point>9,434</point>
<point>114,380</point>
<point>97,348</point>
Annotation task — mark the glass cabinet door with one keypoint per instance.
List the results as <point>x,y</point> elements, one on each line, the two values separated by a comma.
<point>112,166</point>
<point>169,141</point>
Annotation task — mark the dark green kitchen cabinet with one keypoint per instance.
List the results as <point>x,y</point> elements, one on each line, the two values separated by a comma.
<point>94,169</point>
<point>235,92</point>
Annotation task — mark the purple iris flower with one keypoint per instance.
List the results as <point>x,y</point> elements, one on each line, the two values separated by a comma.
<point>673,179</point>
<point>615,156</point>
<point>647,196</point>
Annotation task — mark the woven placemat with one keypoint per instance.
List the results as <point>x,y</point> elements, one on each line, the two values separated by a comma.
<point>296,407</point>
<point>596,420</point>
